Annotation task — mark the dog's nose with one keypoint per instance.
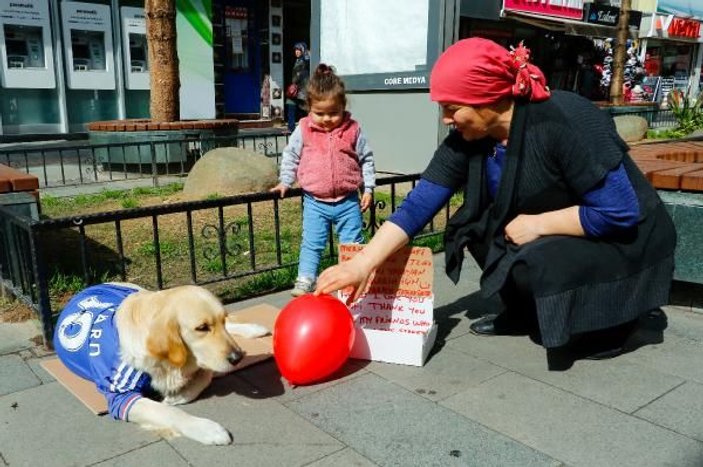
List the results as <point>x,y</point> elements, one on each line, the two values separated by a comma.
<point>235,357</point>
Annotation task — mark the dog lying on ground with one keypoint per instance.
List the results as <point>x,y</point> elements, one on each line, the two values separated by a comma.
<point>132,342</point>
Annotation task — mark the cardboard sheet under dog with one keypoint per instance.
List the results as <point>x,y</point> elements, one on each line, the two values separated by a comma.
<point>257,350</point>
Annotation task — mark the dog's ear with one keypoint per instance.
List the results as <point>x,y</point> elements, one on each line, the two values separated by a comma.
<point>165,343</point>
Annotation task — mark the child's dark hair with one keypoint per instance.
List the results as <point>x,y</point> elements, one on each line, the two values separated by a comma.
<point>325,84</point>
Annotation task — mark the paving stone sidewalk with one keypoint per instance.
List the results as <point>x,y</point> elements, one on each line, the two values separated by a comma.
<point>478,401</point>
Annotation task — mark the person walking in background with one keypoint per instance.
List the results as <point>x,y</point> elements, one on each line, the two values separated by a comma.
<point>565,227</point>
<point>330,158</point>
<point>295,92</point>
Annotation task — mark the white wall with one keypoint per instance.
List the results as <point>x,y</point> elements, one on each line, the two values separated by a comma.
<point>401,127</point>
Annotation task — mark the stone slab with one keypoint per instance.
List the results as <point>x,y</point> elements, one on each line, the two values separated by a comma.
<point>15,375</point>
<point>683,322</point>
<point>268,380</point>
<point>567,427</point>
<point>39,371</point>
<point>265,432</point>
<point>159,453</point>
<point>445,374</point>
<point>680,410</point>
<point>345,458</point>
<point>45,425</point>
<point>630,386</point>
<point>15,337</point>
<point>676,356</point>
<point>392,426</point>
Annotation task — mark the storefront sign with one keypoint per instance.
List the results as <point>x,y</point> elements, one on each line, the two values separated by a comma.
<point>609,15</point>
<point>671,27</point>
<point>239,12</point>
<point>682,27</point>
<point>572,9</point>
<point>393,81</point>
<point>601,14</point>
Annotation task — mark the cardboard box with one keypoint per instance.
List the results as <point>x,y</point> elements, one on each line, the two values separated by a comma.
<point>394,319</point>
<point>257,350</point>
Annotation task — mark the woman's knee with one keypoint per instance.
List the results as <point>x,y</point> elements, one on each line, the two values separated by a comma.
<point>520,276</point>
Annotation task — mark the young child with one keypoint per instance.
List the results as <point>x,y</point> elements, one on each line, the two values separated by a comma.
<point>328,155</point>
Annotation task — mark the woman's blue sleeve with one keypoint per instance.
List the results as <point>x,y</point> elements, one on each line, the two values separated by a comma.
<point>420,206</point>
<point>611,206</point>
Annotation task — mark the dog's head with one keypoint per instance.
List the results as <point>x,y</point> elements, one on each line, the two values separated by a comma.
<point>189,326</point>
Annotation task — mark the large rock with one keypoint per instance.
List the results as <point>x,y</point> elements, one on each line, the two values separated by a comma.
<point>230,171</point>
<point>631,127</point>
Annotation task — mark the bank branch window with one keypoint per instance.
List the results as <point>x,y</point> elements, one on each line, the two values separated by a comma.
<point>88,49</point>
<point>24,46</point>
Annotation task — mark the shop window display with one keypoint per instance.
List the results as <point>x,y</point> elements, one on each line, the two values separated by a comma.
<point>634,89</point>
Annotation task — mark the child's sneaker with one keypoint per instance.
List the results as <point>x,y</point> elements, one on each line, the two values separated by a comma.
<point>302,286</point>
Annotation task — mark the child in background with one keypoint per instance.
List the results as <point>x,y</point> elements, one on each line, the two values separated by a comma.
<point>331,160</point>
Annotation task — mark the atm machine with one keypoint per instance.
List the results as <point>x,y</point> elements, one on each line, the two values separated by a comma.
<point>87,34</point>
<point>136,56</point>
<point>25,45</point>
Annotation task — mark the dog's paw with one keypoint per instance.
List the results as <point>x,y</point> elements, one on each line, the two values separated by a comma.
<point>248,330</point>
<point>207,432</point>
<point>178,399</point>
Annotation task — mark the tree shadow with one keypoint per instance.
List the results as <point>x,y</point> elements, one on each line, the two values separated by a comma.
<point>62,254</point>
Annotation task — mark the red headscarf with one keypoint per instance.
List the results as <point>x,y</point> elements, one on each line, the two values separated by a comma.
<point>478,71</point>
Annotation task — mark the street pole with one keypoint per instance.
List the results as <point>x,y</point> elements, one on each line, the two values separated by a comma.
<point>623,33</point>
<point>163,60</point>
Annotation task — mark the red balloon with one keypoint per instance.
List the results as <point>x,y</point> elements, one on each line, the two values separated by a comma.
<point>312,338</point>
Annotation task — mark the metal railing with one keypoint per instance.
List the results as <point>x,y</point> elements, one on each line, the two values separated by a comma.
<point>197,242</point>
<point>656,118</point>
<point>85,162</point>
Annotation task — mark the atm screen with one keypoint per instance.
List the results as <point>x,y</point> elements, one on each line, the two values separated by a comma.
<point>16,47</point>
<point>80,50</point>
<point>137,53</point>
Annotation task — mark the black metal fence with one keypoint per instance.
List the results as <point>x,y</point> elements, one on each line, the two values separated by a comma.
<point>217,242</point>
<point>84,162</point>
<point>656,117</point>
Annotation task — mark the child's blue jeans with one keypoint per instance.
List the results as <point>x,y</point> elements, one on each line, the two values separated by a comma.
<point>318,215</point>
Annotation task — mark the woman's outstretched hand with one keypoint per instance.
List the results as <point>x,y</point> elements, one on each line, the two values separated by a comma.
<point>347,274</point>
<point>357,272</point>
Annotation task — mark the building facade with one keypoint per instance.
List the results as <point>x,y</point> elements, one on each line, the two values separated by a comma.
<point>66,63</point>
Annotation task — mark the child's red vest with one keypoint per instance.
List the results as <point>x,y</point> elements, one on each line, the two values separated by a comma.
<point>329,165</point>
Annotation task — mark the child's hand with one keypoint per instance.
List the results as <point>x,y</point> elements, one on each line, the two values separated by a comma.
<point>366,201</point>
<point>280,188</point>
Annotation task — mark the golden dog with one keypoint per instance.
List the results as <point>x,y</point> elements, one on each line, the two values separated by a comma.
<point>173,339</point>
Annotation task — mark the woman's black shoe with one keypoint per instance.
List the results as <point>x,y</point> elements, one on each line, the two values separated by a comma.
<point>605,343</point>
<point>499,325</point>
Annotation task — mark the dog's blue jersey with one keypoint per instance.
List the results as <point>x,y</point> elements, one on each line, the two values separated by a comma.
<point>87,342</point>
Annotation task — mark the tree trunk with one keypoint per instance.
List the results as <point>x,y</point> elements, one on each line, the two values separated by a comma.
<point>623,33</point>
<point>163,59</point>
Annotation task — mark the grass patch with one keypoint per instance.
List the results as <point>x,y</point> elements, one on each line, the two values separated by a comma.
<point>54,206</point>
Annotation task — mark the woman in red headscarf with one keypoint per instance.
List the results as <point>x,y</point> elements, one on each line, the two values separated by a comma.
<point>562,223</point>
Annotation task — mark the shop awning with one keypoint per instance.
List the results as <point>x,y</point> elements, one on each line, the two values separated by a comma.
<point>565,25</point>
